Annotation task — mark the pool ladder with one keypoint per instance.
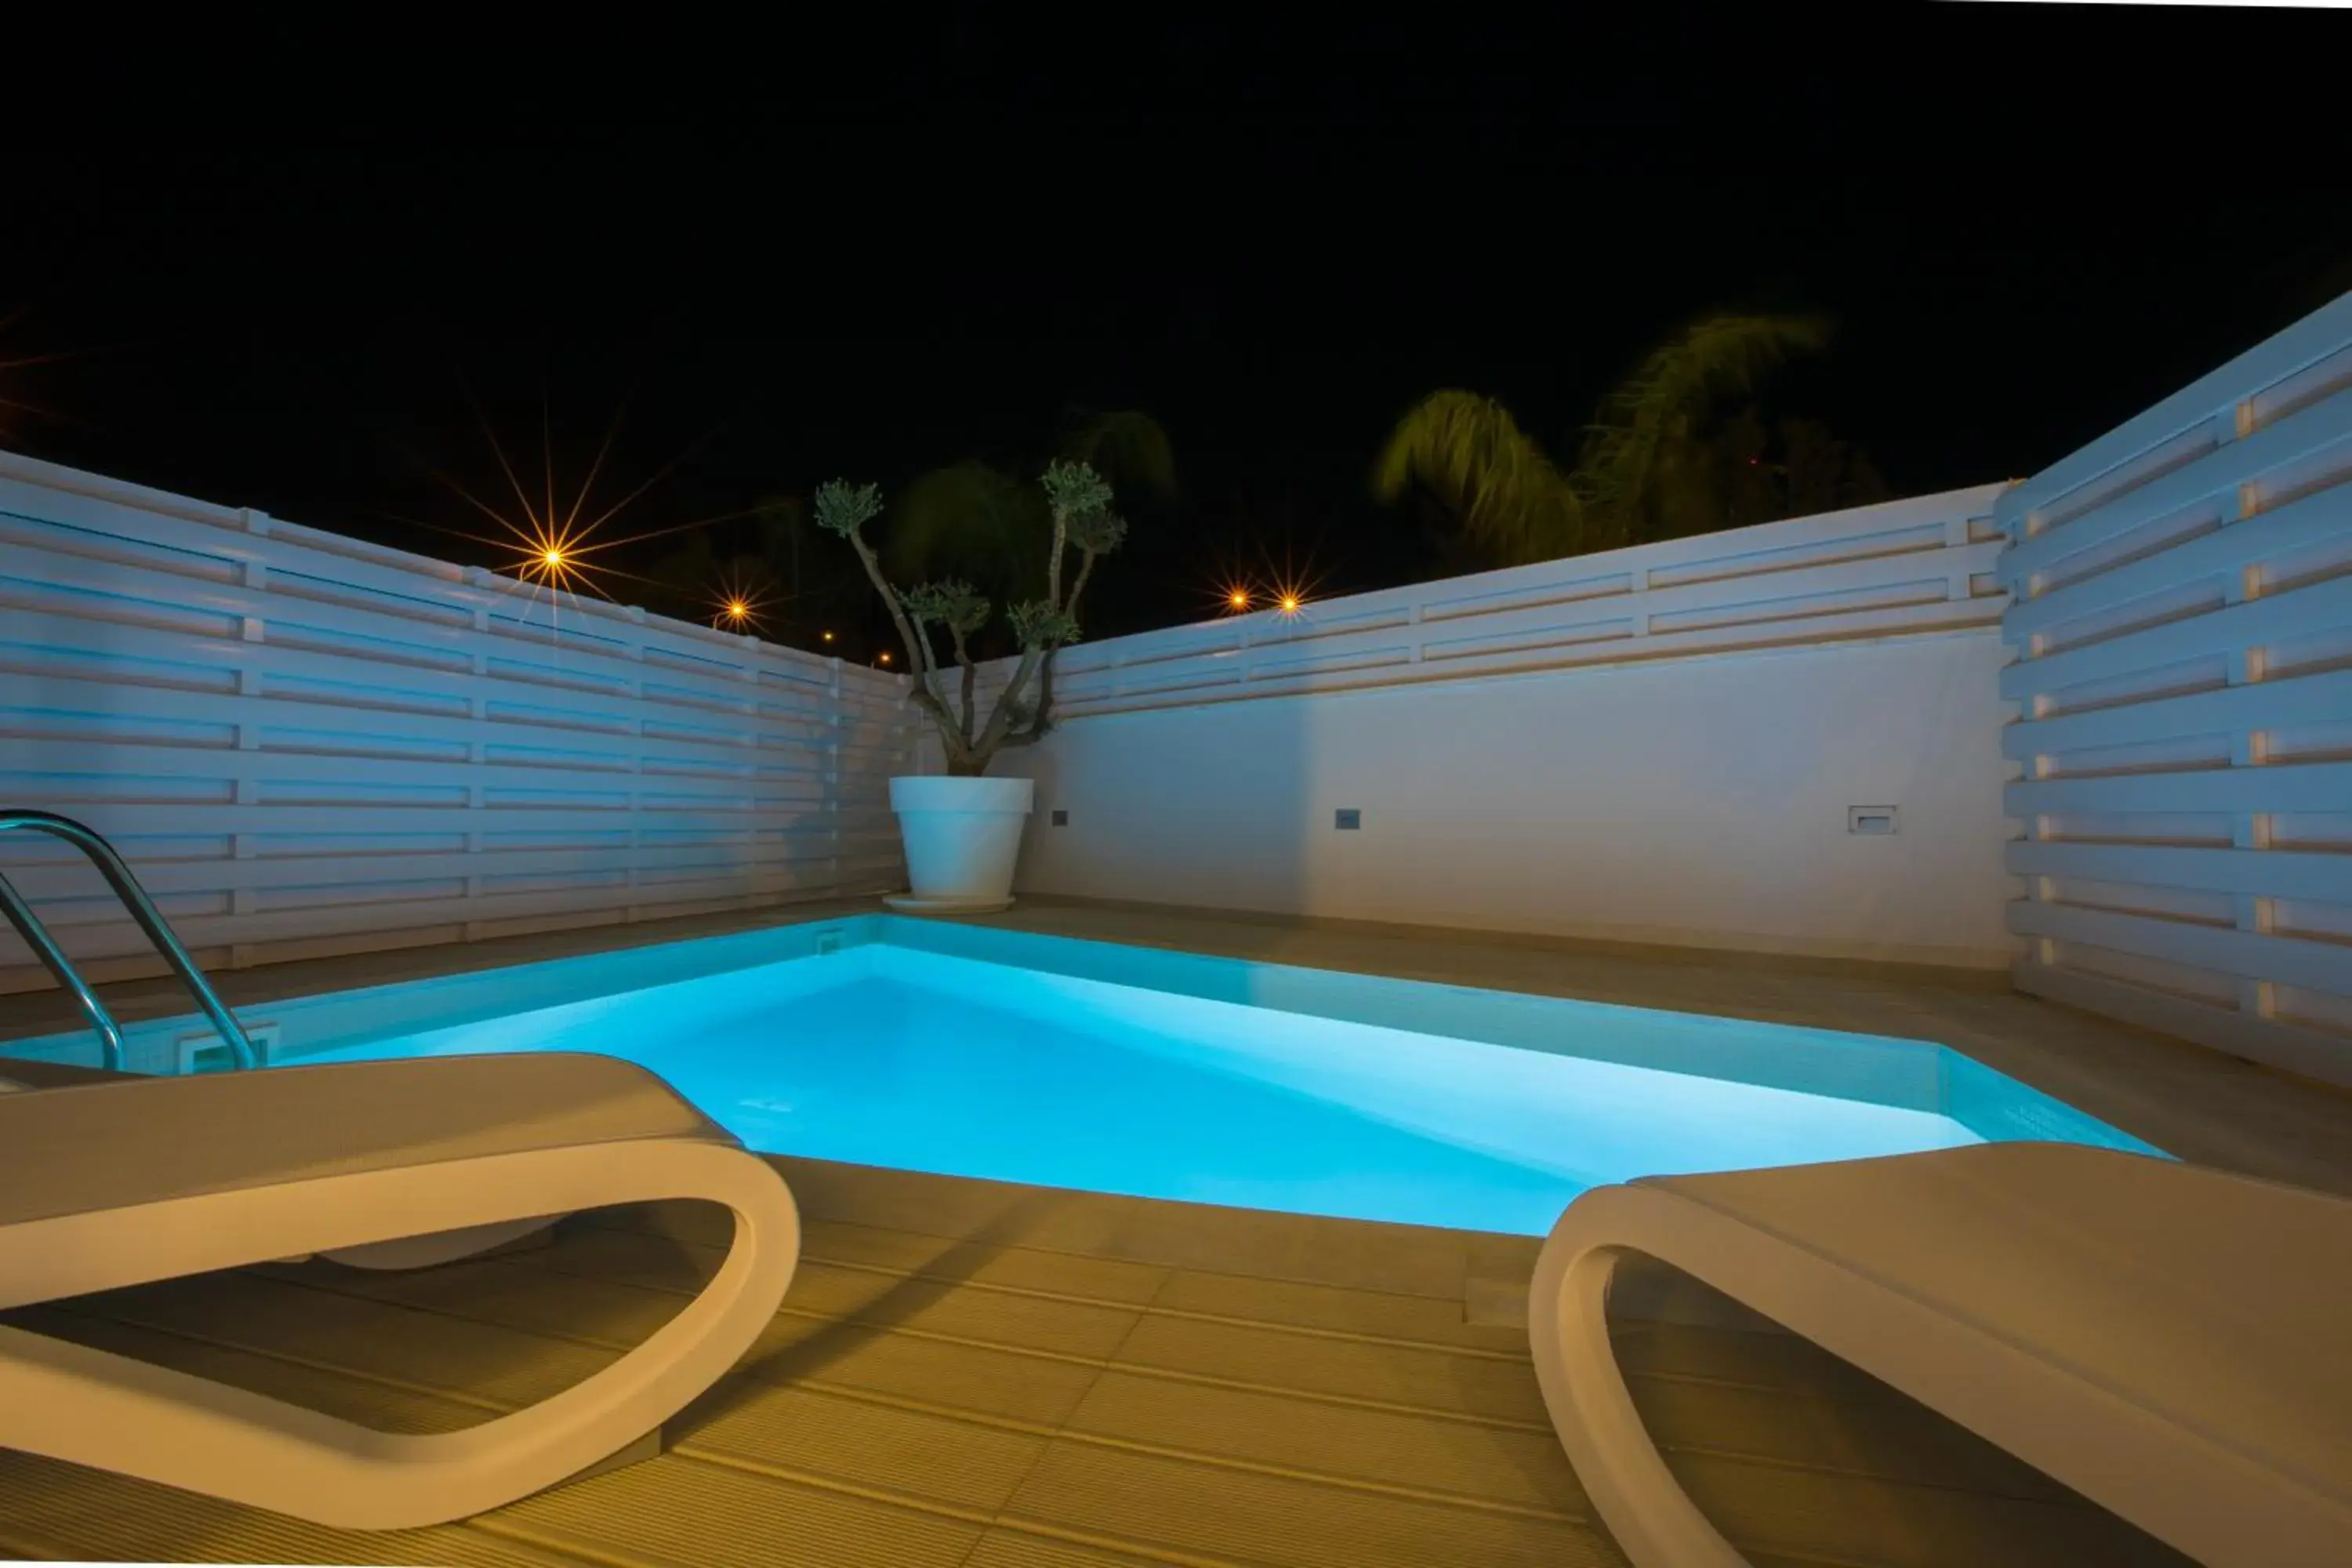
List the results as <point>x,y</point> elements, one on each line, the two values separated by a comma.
<point>143,909</point>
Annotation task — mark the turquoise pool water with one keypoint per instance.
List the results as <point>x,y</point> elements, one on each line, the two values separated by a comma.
<point>1083,1064</point>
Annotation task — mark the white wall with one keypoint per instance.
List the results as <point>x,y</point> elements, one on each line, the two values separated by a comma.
<point>1658,744</point>
<point>1702,804</point>
<point>2183,623</point>
<point>305,744</point>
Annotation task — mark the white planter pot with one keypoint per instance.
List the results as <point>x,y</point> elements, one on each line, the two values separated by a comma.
<point>961,837</point>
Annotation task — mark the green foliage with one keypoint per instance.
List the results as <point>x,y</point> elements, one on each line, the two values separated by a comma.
<point>1042,624</point>
<point>1467,452</point>
<point>1127,448</point>
<point>1640,469</point>
<point>958,507</point>
<point>842,507</point>
<point>1097,533</point>
<point>1656,461</point>
<point>951,604</point>
<point>1075,491</point>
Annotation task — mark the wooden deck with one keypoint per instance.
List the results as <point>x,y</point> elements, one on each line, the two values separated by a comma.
<point>968,1373</point>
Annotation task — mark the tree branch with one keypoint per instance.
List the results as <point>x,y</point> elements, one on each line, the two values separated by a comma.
<point>1000,719</point>
<point>970,675</point>
<point>917,650</point>
<point>1085,569</point>
<point>1041,717</point>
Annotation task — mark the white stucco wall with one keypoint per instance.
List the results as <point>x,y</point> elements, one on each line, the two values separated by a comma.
<point>1697,801</point>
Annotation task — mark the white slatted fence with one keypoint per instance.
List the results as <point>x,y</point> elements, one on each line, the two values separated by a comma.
<point>1905,568</point>
<point>2183,627</point>
<point>305,744</point>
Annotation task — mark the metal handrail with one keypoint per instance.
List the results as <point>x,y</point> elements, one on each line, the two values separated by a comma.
<point>142,911</point>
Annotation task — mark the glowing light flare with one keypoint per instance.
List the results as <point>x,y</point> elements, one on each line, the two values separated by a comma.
<point>549,555</point>
<point>550,539</point>
<point>737,603</point>
<point>1283,588</point>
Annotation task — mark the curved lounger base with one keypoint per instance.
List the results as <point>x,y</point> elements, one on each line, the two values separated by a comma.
<point>73,1403</point>
<point>2034,1293</point>
<point>1654,1520</point>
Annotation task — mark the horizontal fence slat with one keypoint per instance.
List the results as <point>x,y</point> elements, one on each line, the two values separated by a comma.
<point>2317,608</point>
<point>46,495</point>
<point>2231,548</point>
<point>2222,469</point>
<point>2315,1053</point>
<point>2183,623</point>
<point>2298,786</point>
<point>2272,873</point>
<point>2257,705</point>
<point>307,743</point>
<point>2247,954</point>
<point>1912,568</point>
<point>2273,360</point>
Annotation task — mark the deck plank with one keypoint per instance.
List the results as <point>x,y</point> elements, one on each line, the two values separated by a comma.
<point>1429,1379</point>
<point>674,1511</point>
<point>938,1399</point>
<point>1087,1329</point>
<point>1516,1469</point>
<point>1125,1499</point>
<point>1011,1386</point>
<point>1002,1547</point>
<point>1371,1314</point>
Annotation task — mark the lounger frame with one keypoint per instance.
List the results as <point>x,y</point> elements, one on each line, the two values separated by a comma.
<point>89,1406</point>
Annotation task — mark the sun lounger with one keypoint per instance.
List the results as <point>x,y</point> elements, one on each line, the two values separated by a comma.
<point>115,1184</point>
<point>2173,1342</point>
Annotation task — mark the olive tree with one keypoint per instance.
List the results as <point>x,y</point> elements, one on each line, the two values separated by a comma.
<point>1078,502</point>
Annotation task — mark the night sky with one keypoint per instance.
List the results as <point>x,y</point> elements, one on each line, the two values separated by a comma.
<point>2027,223</point>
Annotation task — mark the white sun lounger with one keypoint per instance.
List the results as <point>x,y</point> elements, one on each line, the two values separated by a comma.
<point>109,1184</point>
<point>2171,1341</point>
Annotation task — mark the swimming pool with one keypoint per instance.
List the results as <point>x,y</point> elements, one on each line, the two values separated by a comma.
<point>977,1052</point>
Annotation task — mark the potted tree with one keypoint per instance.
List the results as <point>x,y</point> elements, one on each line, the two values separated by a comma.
<point>962,830</point>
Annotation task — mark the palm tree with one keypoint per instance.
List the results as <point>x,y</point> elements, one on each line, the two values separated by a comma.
<point>1655,463</point>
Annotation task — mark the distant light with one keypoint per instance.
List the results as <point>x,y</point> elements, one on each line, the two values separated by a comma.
<point>552,556</point>
<point>736,609</point>
<point>1290,603</point>
<point>884,658</point>
<point>828,636</point>
<point>1239,599</point>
